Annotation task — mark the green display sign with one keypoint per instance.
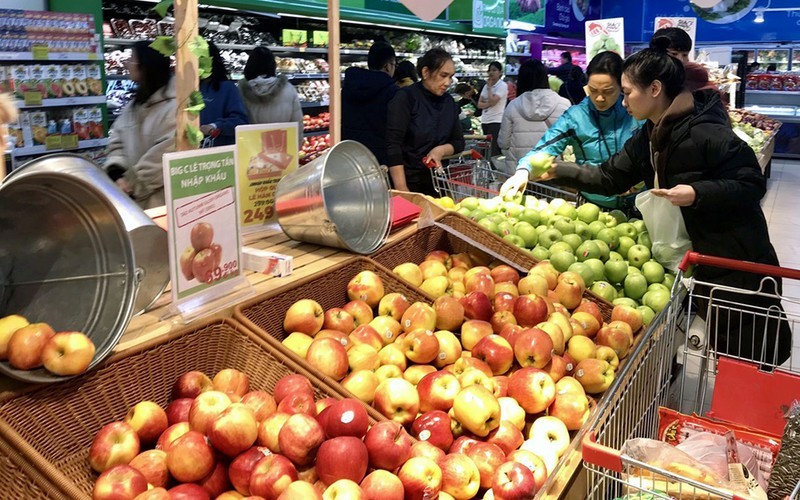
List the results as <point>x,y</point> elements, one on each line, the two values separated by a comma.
<point>489,16</point>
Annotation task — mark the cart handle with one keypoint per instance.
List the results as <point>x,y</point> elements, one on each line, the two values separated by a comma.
<point>598,454</point>
<point>468,153</point>
<point>737,265</point>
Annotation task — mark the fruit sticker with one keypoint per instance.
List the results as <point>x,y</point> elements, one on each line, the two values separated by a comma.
<point>202,212</point>
<point>605,34</point>
<point>265,154</point>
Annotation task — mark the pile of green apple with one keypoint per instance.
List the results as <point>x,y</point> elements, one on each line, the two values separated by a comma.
<point>610,252</point>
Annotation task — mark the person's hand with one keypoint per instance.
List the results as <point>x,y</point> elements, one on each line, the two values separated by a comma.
<point>515,184</point>
<point>436,154</point>
<point>208,128</point>
<point>124,185</point>
<point>682,195</point>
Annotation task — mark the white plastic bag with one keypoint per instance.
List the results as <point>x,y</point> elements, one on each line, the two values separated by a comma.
<point>711,450</point>
<point>666,228</point>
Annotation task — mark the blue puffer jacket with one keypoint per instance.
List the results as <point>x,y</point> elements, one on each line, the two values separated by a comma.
<point>595,136</point>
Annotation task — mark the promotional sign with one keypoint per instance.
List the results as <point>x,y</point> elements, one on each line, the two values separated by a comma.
<point>427,10</point>
<point>527,11</point>
<point>568,16</point>
<point>265,153</point>
<point>603,35</point>
<point>687,24</point>
<point>202,214</point>
<point>489,16</point>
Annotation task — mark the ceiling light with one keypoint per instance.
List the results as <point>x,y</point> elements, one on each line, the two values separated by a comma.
<point>759,17</point>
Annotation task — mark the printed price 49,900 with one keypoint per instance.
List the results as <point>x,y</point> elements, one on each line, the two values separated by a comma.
<point>221,272</point>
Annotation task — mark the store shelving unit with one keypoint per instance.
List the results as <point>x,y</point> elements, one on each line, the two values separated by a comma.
<point>63,102</point>
<point>40,150</point>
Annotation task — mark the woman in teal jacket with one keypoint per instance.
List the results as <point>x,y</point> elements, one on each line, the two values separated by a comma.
<point>596,128</point>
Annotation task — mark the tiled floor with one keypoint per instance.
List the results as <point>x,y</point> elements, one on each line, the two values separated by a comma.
<point>780,207</point>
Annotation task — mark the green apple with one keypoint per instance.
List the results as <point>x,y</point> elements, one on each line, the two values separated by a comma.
<point>561,246</point>
<point>557,203</point>
<point>585,271</point>
<point>513,209</point>
<point>597,267</point>
<point>531,202</point>
<point>604,250</point>
<point>625,244</point>
<point>616,270</point>
<point>638,255</point>
<point>653,271</point>
<point>648,315</point>
<point>488,224</point>
<point>669,280</point>
<point>530,216</point>
<point>540,162</point>
<point>515,197</point>
<point>540,253</point>
<point>638,224</point>
<point>615,256</point>
<point>540,229</point>
<point>588,212</point>
<point>513,220</point>
<point>491,205</point>
<point>464,211</point>
<point>644,239</point>
<point>595,227</point>
<point>545,215</point>
<point>619,215</point>
<point>573,240</point>
<point>497,218</point>
<point>527,232</point>
<point>610,237</point>
<point>515,240</point>
<point>604,290</point>
<point>587,250</point>
<point>561,260</point>
<point>582,230</point>
<point>549,237</point>
<point>625,301</point>
<point>567,211</point>
<point>470,203</point>
<point>505,227</point>
<point>657,300</point>
<point>635,286</point>
<point>653,287</point>
<point>565,225</point>
<point>607,220</point>
<point>633,270</point>
<point>477,215</point>
<point>626,229</point>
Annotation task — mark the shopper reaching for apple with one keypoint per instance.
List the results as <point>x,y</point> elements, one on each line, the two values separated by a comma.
<point>701,166</point>
<point>423,124</point>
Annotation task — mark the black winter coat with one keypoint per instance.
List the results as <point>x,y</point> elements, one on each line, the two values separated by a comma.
<point>694,144</point>
<point>365,100</point>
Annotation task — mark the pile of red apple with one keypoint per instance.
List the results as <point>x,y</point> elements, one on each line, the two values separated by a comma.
<point>318,122</point>
<point>313,147</point>
<point>504,369</point>
<point>27,346</point>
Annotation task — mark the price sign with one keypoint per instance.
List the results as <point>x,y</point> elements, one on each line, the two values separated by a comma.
<point>41,52</point>
<point>69,141</point>
<point>202,212</point>
<point>52,142</point>
<point>294,38</point>
<point>33,98</point>
<point>320,38</point>
<point>265,154</point>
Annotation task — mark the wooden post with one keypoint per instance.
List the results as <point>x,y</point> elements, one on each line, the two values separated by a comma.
<point>334,78</point>
<point>186,72</point>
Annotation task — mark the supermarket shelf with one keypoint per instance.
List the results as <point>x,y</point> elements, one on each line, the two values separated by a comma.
<point>774,92</point>
<point>311,133</point>
<point>64,101</point>
<point>313,104</point>
<point>53,56</point>
<point>118,77</point>
<point>518,54</point>
<point>470,75</point>
<point>40,150</point>
<point>306,76</point>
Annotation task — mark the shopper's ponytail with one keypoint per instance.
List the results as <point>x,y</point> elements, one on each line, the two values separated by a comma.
<point>649,65</point>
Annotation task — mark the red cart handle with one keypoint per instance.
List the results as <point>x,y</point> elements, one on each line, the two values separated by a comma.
<point>428,162</point>
<point>598,454</point>
<point>737,265</point>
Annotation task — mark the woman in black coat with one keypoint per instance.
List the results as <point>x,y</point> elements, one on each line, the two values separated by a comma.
<point>423,123</point>
<point>705,169</point>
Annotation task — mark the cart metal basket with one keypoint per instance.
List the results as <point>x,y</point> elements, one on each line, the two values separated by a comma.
<point>711,381</point>
<point>471,174</point>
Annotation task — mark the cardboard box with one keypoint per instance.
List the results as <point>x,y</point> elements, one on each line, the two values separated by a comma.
<point>270,263</point>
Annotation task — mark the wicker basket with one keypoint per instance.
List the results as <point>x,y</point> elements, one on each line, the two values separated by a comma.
<point>19,479</point>
<point>52,428</point>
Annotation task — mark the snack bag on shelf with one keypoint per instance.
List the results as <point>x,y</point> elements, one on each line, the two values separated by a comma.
<point>39,127</point>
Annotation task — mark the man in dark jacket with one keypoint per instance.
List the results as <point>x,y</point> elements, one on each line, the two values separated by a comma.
<point>565,69</point>
<point>365,99</point>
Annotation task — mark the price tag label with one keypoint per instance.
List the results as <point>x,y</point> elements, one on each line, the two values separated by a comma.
<point>92,56</point>
<point>294,38</point>
<point>41,52</point>
<point>320,38</point>
<point>52,142</point>
<point>33,98</point>
<point>69,141</point>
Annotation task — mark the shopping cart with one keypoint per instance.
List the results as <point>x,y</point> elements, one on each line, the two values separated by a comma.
<point>482,144</point>
<point>710,382</point>
<point>470,174</point>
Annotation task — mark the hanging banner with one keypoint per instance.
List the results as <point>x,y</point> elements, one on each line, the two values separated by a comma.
<point>687,24</point>
<point>265,153</point>
<point>202,213</point>
<point>603,35</point>
<point>527,11</point>
<point>427,10</point>
<point>489,16</point>
<point>568,16</point>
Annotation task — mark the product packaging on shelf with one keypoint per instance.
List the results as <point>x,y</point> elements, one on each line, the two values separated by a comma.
<point>38,124</point>
<point>94,82</point>
<point>52,74</point>
<point>79,80</point>
<point>19,79</point>
<point>6,83</point>
<point>270,263</point>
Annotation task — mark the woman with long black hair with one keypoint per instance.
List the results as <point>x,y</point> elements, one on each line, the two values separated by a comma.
<point>145,130</point>
<point>224,108</point>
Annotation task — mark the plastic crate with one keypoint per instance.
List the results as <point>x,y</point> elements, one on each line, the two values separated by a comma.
<point>53,427</point>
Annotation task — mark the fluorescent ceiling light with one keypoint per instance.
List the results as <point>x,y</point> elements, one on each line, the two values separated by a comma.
<point>759,17</point>
<point>518,25</point>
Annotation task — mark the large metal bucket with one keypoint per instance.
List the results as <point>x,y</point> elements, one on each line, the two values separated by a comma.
<point>66,260</point>
<point>341,200</point>
<point>150,246</point>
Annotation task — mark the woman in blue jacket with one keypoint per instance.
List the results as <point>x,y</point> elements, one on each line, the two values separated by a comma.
<point>596,127</point>
<point>224,107</point>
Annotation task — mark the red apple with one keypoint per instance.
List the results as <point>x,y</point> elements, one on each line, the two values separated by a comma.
<point>532,388</point>
<point>496,352</point>
<point>460,476</point>
<point>533,348</point>
<point>595,375</point>
<point>234,430</point>
<point>190,458</point>
<point>507,436</point>
<point>437,391</point>
<point>242,466</point>
<point>26,344</point>
<point>120,481</point>
<point>148,420</point>
<point>300,437</point>
<point>420,346</point>
<point>178,410</point>
<point>232,382</point>
<point>388,445</point>
<point>329,357</point>
<point>421,478</point>
<point>68,353</point>
<point>115,444</point>
<point>511,333</point>
<point>217,482</point>
<point>271,476</point>
<point>480,282</point>
<point>366,286</point>
<point>530,310</point>
<point>172,433</point>
<point>188,492</point>
<point>269,430</point>
<point>477,306</point>
<point>433,427</point>
<point>394,305</point>
<point>418,315</point>
<point>346,417</point>
<point>533,462</point>
<point>343,457</point>
<point>505,273</point>
<point>616,335</point>
<point>205,408</point>
<point>382,485</point>
<point>557,367</point>
<point>338,319</point>
<point>299,402</point>
<point>360,311</point>
<point>449,313</point>
<point>500,319</point>
<point>262,403</point>
<point>592,308</point>
<point>190,385</point>
<point>397,400</point>
<point>291,384</point>
<point>487,457</point>
<point>366,334</point>
<point>474,330</point>
<point>153,466</point>
<point>304,316</point>
<point>513,481</point>
<point>462,444</point>
<point>300,490</point>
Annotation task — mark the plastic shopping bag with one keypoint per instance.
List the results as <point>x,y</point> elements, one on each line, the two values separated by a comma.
<point>664,222</point>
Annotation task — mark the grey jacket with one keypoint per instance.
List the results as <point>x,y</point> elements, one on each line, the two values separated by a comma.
<point>271,100</point>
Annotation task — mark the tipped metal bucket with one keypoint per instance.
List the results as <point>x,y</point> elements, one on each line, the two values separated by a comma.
<point>341,200</point>
<point>149,241</point>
